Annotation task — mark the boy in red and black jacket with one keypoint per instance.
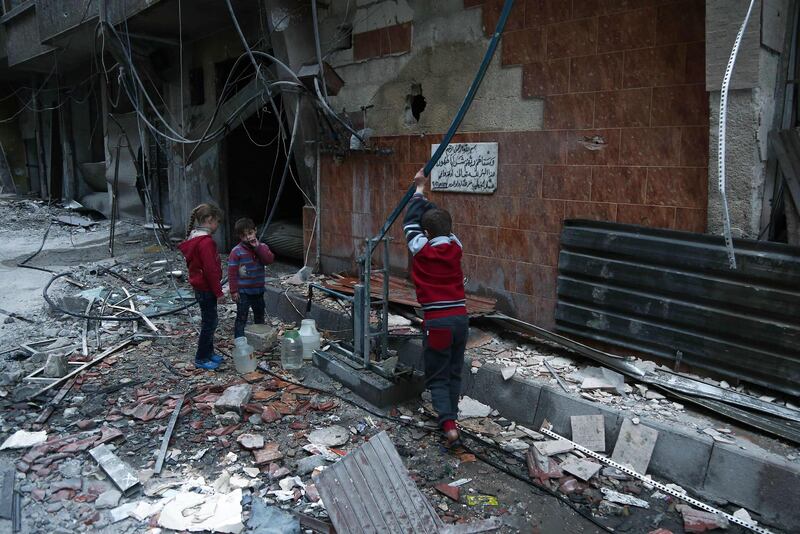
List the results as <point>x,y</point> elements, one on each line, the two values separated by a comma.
<point>439,281</point>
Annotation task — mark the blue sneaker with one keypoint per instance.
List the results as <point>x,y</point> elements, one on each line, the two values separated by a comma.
<point>209,365</point>
<point>217,358</point>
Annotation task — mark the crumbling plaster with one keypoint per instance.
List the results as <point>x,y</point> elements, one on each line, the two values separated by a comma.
<point>447,47</point>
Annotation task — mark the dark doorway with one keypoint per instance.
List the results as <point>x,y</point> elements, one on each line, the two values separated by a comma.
<point>56,186</point>
<point>255,157</point>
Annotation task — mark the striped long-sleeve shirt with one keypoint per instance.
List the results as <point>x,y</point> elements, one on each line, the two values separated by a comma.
<point>436,268</point>
<point>246,273</point>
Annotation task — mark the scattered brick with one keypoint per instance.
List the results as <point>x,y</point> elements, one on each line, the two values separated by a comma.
<point>453,492</point>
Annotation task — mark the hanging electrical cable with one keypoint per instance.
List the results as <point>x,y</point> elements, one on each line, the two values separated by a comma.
<point>723,117</point>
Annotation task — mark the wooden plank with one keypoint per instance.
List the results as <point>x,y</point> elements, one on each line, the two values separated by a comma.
<point>364,516</point>
<point>162,454</point>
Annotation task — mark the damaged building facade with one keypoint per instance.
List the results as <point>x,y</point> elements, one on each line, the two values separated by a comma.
<point>604,110</point>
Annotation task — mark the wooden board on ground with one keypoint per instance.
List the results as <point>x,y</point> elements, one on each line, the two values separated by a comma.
<point>402,292</point>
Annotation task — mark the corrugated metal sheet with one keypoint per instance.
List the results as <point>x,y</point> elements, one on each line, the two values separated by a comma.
<point>369,490</point>
<point>661,291</point>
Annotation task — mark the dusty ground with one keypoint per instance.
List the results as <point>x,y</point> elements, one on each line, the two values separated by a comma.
<point>127,399</point>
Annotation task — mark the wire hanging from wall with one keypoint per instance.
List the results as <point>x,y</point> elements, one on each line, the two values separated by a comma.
<point>723,112</point>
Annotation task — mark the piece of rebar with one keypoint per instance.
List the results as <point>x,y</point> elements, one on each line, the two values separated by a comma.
<point>555,375</point>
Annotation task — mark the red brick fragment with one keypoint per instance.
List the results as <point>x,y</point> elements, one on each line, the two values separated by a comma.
<point>108,433</point>
<point>270,415</point>
<point>62,495</point>
<point>298,425</point>
<point>253,408</point>
<point>85,424</point>
<point>79,446</point>
<point>698,521</point>
<point>453,492</point>
<point>225,430</point>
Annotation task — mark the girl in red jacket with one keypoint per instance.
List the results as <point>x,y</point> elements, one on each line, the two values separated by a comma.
<point>205,275</point>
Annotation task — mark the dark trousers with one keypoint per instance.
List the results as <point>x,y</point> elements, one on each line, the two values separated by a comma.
<point>445,342</point>
<point>208,324</point>
<point>247,301</point>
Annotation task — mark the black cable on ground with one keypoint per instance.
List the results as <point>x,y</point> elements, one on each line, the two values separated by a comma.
<point>24,262</point>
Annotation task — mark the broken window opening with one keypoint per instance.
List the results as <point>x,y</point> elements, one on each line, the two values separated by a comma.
<point>415,105</point>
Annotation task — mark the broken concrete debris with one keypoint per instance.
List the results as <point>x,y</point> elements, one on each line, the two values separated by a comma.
<point>551,447</point>
<point>583,469</point>
<point>23,439</point>
<point>589,431</point>
<point>118,471</point>
<point>622,498</point>
<point>469,408</point>
<point>635,446</point>
<point>251,441</point>
<point>332,436</point>
<point>233,399</point>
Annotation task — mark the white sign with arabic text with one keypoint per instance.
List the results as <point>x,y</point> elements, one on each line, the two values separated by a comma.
<point>466,168</point>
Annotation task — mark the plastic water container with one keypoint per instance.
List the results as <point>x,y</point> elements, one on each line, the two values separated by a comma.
<point>310,337</point>
<point>291,350</point>
<point>243,358</point>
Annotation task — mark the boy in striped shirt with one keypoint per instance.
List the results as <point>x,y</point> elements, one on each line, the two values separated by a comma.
<point>439,281</point>
<point>247,273</point>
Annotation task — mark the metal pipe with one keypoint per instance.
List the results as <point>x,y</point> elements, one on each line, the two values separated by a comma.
<point>358,323</point>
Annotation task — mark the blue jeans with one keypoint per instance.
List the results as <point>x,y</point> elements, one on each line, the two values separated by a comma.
<point>247,301</point>
<point>208,324</point>
<point>445,342</point>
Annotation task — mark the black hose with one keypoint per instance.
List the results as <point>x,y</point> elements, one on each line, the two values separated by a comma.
<point>24,262</point>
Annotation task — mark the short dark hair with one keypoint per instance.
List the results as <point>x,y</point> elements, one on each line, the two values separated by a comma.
<point>243,226</point>
<point>437,222</point>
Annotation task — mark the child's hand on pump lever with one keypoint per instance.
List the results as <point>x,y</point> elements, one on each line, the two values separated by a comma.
<point>420,179</point>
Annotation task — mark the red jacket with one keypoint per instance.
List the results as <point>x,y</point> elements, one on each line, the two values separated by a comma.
<point>202,260</point>
<point>436,269</point>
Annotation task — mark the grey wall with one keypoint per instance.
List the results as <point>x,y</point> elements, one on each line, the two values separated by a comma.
<point>447,47</point>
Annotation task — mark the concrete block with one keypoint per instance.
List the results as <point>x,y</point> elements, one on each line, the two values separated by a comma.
<point>56,366</point>
<point>261,337</point>
<point>515,399</point>
<point>680,456</point>
<point>559,408</point>
<point>635,445</point>
<point>279,306</point>
<point>233,399</point>
<point>589,431</point>
<point>757,480</point>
